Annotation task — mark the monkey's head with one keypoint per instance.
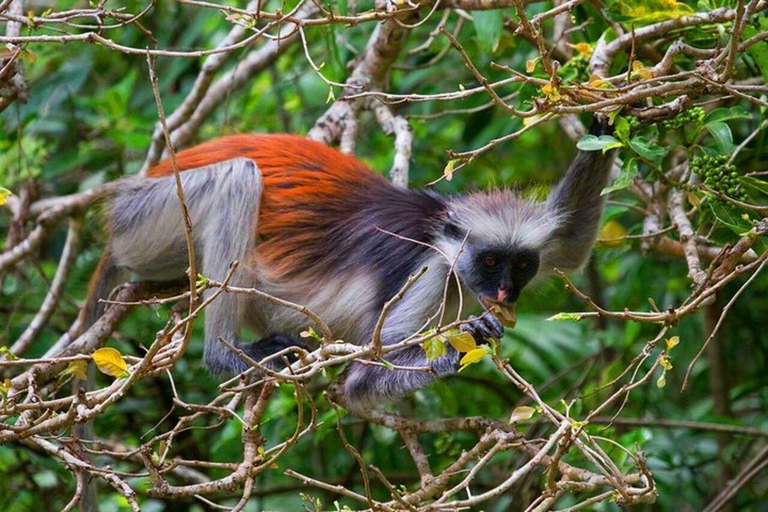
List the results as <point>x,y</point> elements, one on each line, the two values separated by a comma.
<point>500,240</point>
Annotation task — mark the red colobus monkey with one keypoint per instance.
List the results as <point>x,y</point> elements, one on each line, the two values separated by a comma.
<point>309,224</point>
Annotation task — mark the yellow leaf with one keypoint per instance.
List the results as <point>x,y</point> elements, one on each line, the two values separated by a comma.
<point>110,361</point>
<point>662,381</point>
<point>473,356</point>
<point>639,70</point>
<point>530,65</point>
<point>598,83</point>
<point>4,194</point>
<point>527,121</point>
<point>449,168</point>
<point>693,199</point>
<point>461,341</point>
<point>522,413</point>
<point>665,363</point>
<point>612,234</point>
<point>584,49</point>
<point>551,92</point>
<point>77,369</point>
<point>672,342</point>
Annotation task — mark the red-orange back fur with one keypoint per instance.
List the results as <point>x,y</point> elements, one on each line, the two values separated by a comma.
<point>303,181</point>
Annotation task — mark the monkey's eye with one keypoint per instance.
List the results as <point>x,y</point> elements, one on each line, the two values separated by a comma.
<point>491,261</point>
<point>522,265</point>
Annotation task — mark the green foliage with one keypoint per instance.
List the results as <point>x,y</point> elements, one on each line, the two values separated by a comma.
<point>89,119</point>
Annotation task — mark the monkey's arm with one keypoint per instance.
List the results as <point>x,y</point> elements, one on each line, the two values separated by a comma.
<point>577,201</point>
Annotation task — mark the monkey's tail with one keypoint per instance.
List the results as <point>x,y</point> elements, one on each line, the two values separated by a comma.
<point>105,278</point>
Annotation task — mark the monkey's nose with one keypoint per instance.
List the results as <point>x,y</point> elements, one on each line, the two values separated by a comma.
<point>502,295</point>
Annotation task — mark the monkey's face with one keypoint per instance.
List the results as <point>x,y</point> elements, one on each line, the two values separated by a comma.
<point>497,275</point>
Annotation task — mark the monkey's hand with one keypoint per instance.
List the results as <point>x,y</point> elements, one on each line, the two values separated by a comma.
<point>484,327</point>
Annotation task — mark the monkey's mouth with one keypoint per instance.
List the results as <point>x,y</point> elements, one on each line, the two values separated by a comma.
<point>505,312</point>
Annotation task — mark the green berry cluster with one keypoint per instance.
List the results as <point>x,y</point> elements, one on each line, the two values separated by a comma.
<point>719,176</point>
<point>634,124</point>
<point>692,115</point>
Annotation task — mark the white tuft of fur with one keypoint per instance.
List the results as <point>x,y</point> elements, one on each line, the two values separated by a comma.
<point>502,218</point>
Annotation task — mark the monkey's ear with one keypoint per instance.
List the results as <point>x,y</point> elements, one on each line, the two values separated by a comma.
<point>451,230</point>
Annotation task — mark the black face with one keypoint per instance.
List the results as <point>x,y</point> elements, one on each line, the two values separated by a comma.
<point>500,275</point>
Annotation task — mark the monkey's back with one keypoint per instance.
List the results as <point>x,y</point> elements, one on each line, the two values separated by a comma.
<point>314,199</point>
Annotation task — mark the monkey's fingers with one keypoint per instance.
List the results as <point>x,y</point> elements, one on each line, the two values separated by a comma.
<point>494,325</point>
<point>481,328</point>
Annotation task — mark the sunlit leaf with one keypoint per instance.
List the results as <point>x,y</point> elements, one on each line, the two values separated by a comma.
<point>584,49</point>
<point>643,12</point>
<point>461,341</point>
<point>4,195</point>
<point>473,356</point>
<point>110,361</point>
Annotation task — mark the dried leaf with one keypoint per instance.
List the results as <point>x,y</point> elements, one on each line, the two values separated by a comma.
<point>110,361</point>
<point>523,412</point>
<point>612,234</point>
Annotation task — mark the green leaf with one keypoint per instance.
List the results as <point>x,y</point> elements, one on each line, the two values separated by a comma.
<point>561,317</point>
<point>488,27</point>
<point>434,348</point>
<point>647,150</point>
<point>595,143</point>
<point>759,185</point>
<point>720,115</point>
<point>730,216</point>
<point>628,172</point>
<point>622,129</point>
<point>758,51</point>
<point>722,135</point>
<point>643,12</point>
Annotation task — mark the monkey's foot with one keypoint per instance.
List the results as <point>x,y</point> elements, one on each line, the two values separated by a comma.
<point>273,344</point>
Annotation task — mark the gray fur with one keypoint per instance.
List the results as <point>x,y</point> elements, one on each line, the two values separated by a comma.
<point>148,239</point>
